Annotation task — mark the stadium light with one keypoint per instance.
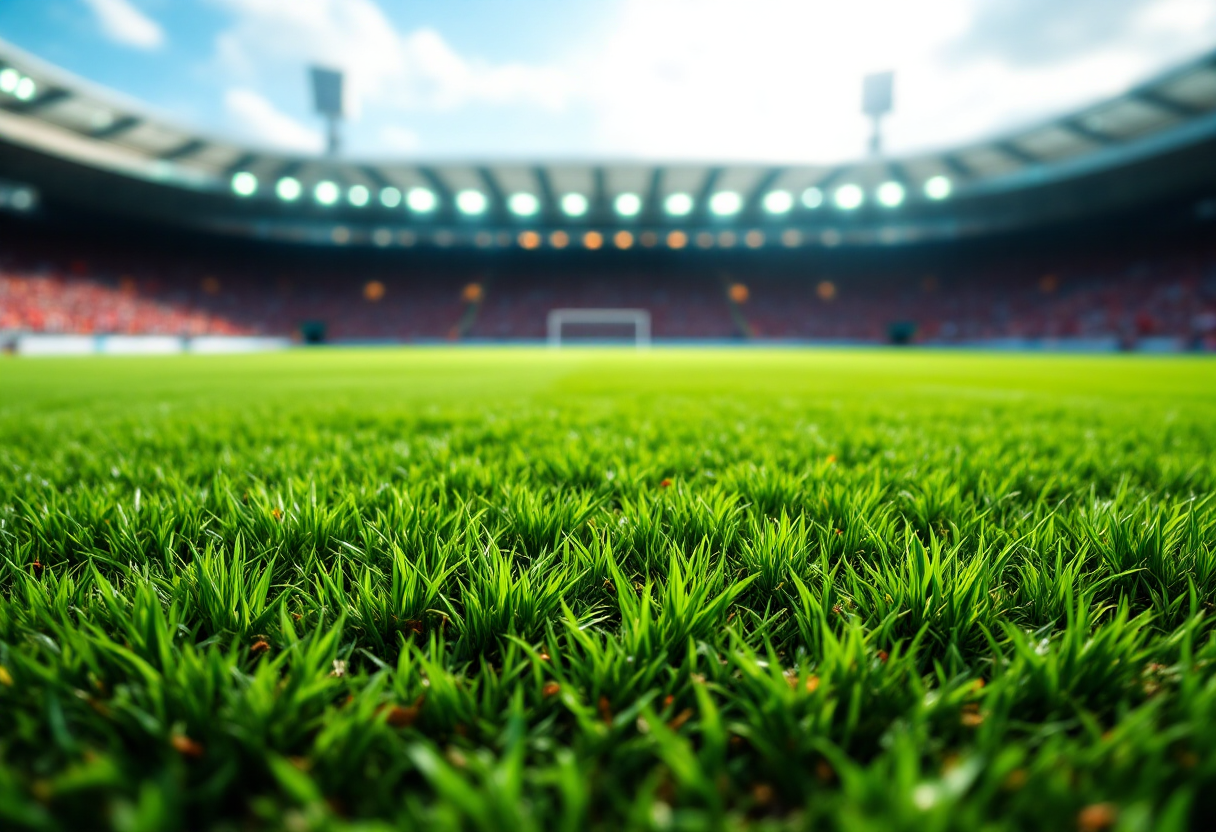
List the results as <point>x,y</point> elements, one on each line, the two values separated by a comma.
<point>358,195</point>
<point>421,200</point>
<point>471,202</point>
<point>523,204</point>
<point>812,198</point>
<point>574,205</point>
<point>288,189</point>
<point>9,79</point>
<point>938,187</point>
<point>849,197</point>
<point>244,183</point>
<point>327,101</point>
<point>390,197</point>
<point>25,89</point>
<point>876,90</point>
<point>891,194</point>
<point>22,199</point>
<point>678,205</point>
<point>725,203</point>
<point>326,192</point>
<point>628,205</point>
<point>778,202</point>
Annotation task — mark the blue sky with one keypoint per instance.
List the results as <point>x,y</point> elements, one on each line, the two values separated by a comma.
<point>765,80</point>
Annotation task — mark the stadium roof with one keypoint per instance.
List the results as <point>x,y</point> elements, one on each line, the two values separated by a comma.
<point>51,112</point>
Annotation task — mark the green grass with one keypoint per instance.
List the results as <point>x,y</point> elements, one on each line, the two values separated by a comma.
<point>512,589</point>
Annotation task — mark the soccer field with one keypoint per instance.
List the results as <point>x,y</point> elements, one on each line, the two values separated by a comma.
<point>595,589</point>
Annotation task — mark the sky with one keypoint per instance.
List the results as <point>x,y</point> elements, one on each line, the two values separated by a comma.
<point>670,80</point>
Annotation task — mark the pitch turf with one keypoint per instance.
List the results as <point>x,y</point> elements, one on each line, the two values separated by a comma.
<point>508,589</point>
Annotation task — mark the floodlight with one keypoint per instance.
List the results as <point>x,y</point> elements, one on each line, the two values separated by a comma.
<point>891,194</point>
<point>523,204</point>
<point>812,198</point>
<point>876,98</point>
<point>288,189</point>
<point>628,205</point>
<point>244,183</point>
<point>938,187</point>
<point>876,90</point>
<point>778,202</point>
<point>327,100</point>
<point>25,89</point>
<point>326,192</point>
<point>421,200</point>
<point>390,197</point>
<point>358,195</point>
<point>471,202</point>
<point>9,79</point>
<point>678,205</point>
<point>574,205</point>
<point>23,199</point>
<point>849,197</point>
<point>725,203</point>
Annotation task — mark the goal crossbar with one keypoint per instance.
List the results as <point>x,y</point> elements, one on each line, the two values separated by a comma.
<point>639,318</point>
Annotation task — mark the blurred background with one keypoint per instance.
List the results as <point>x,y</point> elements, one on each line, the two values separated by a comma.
<point>227,175</point>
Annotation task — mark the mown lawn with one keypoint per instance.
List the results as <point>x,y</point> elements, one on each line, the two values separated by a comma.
<point>514,589</point>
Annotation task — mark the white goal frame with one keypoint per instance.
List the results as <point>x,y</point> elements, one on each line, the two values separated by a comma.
<point>640,318</point>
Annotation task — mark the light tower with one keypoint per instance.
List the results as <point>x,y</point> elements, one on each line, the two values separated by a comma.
<point>876,102</point>
<point>327,100</point>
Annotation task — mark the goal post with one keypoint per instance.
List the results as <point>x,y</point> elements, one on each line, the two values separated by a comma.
<point>639,319</point>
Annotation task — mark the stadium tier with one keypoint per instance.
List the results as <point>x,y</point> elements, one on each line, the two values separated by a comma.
<point>70,146</point>
<point>1161,296</point>
<point>1090,229</point>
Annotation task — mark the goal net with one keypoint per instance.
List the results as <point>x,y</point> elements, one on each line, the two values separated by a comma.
<point>566,325</point>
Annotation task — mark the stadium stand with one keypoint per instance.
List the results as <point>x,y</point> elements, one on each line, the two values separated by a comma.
<point>1084,297</point>
<point>1164,295</point>
<point>1092,229</point>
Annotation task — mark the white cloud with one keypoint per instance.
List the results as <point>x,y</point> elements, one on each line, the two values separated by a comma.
<point>781,79</point>
<point>124,23</point>
<point>1176,16</point>
<point>399,139</point>
<point>384,68</point>
<point>436,76</point>
<point>772,79</point>
<point>764,80</point>
<point>258,119</point>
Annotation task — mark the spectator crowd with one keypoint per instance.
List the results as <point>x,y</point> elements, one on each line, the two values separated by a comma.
<point>1165,295</point>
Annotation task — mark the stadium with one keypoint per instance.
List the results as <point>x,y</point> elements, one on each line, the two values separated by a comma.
<point>343,492</point>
